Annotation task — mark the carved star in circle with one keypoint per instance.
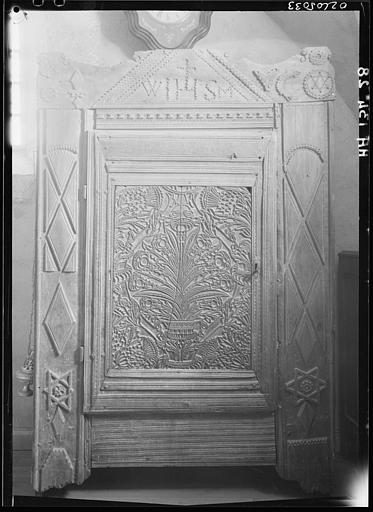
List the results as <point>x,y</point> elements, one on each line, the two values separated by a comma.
<point>320,81</point>
<point>59,390</point>
<point>306,385</point>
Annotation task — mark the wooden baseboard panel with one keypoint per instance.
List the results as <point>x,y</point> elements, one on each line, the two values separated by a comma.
<point>210,441</point>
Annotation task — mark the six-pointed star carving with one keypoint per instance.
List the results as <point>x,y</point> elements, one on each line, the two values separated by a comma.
<point>59,390</point>
<point>306,385</point>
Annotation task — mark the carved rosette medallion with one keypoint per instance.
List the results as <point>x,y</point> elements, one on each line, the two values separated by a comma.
<point>182,277</point>
<point>317,56</point>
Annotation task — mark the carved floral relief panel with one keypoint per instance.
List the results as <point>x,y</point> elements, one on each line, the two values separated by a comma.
<point>182,278</point>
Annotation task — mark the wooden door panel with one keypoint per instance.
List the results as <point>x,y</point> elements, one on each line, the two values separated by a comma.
<point>304,420</point>
<point>59,456</point>
<point>167,231</point>
<point>122,232</point>
<point>181,278</point>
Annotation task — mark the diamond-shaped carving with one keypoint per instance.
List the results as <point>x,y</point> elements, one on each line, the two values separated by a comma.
<point>316,306</point>
<point>306,417</point>
<point>61,162</point>
<point>303,171</point>
<point>293,307</point>
<point>49,261</point>
<point>77,80</point>
<point>51,199</point>
<point>60,238</point>
<point>59,320</point>
<point>69,199</point>
<point>304,263</point>
<point>293,218</point>
<point>315,219</point>
<point>305,338</point>
<point>58,423</point>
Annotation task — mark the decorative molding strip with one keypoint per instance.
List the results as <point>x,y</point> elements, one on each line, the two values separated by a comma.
<point>142,70</point>
<point>313,441</point>
<point>300,147</point>
<point>126,118</point>
<point>282,81</point>
<point>238,75</point>
<point>266,77</point>
<point>61,147</point>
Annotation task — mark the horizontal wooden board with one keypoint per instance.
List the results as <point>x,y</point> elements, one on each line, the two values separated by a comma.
<point>179,402</point>
<point>183,147</point>
<point>186,441</point>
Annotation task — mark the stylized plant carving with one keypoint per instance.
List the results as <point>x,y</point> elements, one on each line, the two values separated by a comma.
<point>182,277</point>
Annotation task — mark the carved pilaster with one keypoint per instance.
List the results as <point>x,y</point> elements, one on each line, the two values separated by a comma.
<point>58,443</point>
<point>304,310</point>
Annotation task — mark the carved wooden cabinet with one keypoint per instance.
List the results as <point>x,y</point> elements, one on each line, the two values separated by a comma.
<point>184,300</point>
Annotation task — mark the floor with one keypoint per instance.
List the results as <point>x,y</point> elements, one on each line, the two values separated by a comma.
<point>175,486</point>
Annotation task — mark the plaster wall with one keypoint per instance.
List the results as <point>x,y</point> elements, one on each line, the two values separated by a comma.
<point>102,38</point>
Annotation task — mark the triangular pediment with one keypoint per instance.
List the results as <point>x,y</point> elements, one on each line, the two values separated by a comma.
<point>181,76</point>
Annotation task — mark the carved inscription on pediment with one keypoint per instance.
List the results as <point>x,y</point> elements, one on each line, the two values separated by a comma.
<point>188,87</point>
<point>182,275</point>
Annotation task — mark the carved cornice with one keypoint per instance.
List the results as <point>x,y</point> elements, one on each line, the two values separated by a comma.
<point>184,77</point>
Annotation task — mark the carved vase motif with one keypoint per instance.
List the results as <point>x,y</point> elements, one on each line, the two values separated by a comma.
<point>182,277</point>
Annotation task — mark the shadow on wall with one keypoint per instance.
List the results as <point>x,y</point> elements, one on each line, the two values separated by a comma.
<point>22,290</point>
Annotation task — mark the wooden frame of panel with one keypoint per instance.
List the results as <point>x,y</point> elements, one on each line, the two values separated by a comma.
<point>124,389</point>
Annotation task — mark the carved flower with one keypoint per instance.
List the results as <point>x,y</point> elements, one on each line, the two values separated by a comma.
<point>160,242</point>
<point>59,390</point>
<point>203,242</point>
<point>143,261</point>
<point>129,355</point>
<point>221,260</point>
<point>137,282</point>
<point>306,385</point>
<point>318,56</point>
